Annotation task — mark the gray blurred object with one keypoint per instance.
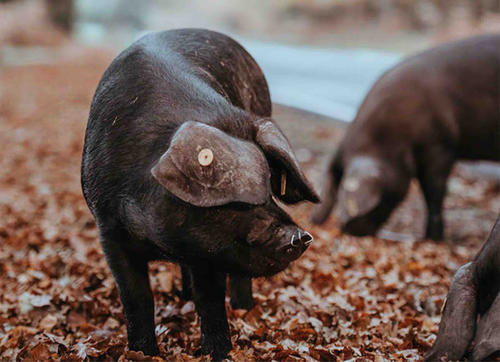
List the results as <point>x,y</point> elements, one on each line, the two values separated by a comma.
<point>98,20</point>
<point>60,12</point>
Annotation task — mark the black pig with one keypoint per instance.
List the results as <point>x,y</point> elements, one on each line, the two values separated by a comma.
<point>428,111</point>
<point>180,163</point>
<point>474,291</point>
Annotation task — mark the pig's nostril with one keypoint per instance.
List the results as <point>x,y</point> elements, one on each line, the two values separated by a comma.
<point>307,238</point>
<point>295,242</point>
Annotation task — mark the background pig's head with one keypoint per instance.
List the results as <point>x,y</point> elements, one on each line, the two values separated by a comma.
<point>227,185</point>
<point>365,191</point>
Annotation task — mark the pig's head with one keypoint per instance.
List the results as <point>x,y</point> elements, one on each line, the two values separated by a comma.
<point>365,191</point>
<point>227,186</point>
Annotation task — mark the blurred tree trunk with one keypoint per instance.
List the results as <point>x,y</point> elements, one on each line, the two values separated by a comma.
<point>477,10</point>
<point>61,13</point>
<point>408,9</point>
<point>444,8</point>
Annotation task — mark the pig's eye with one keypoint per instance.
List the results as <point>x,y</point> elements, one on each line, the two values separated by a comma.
<point>274,225</point>
<point>239,206</point>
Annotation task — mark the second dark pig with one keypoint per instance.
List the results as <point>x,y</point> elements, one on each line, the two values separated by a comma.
<point>418,119</point>
<point>182,163</point>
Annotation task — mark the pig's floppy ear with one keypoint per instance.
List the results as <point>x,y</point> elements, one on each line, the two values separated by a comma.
<point>288,183</point>
<point>206,167</point>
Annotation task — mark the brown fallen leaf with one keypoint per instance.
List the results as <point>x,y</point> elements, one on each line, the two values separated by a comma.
<point>48,322</point>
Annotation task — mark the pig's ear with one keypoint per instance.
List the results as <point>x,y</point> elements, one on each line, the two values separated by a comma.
<point>458,321</point>
<point>360,190</point>
<point>206,167</point>
<point>288,183</point>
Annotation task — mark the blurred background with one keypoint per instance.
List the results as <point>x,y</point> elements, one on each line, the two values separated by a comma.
<point>319,55</point>
<point>346,297</point>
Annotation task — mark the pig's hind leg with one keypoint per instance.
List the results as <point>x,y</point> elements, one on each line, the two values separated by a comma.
<point>241,292</point>
<point>130,272</point>
<point>433,168</point>
<point>209,289</point>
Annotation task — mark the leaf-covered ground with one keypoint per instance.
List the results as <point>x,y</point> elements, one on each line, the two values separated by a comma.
<point>345,298</point>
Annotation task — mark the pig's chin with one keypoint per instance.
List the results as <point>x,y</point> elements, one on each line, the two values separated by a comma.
<point>268,267</point>
<point>254,262</point>
<point>263,265</point>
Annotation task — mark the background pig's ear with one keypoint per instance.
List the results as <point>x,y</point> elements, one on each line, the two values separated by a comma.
<point>458,322</point>
<point>206,167</point>
<point>288,183</point>
<point>357,196</point>
<point>360,190</point>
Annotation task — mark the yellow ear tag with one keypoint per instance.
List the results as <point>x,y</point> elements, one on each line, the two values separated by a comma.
<point>352,207</point>
<point>283,183</point>
<point>205,157</point>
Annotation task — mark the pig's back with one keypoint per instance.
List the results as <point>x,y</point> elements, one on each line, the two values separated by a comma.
<point>466,88</point>
<point>446,94</point>
<point>148,91</point>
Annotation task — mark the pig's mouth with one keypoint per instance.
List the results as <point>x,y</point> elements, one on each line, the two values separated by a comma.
<point>259,259</point>
<point>269,259</point>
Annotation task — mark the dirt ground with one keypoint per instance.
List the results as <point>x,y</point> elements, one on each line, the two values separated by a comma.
<point>347,297</point>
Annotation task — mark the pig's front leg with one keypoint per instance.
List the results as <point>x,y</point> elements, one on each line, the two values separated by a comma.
<point>131,276</point>
<point>241,292</point>
<point>187,283</point>
<point>209,289</point>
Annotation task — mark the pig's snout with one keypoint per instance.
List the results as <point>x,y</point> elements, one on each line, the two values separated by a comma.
<point>293,243</point>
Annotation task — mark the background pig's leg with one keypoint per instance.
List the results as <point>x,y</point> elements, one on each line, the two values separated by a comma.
<point>487,264</point>
<point>209,291</point>
<point>131,276</point>
<point>487,339</point>
<point>241,292</point>
<point>458,321</point>
<point>187,286</point>
<point>432,170</point>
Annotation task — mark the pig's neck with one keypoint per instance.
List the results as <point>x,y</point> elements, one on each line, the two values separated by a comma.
<point>235,122</point>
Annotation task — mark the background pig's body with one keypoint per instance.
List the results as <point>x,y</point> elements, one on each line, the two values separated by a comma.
<point>200,86</point>
<point>419,117</point>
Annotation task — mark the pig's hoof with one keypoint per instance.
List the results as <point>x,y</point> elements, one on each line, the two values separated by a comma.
<point>242,303</point>
<point>434,231</point>
<point>217,346</point>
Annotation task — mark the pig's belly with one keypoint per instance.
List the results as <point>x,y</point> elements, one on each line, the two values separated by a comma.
<point>480,144</point>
